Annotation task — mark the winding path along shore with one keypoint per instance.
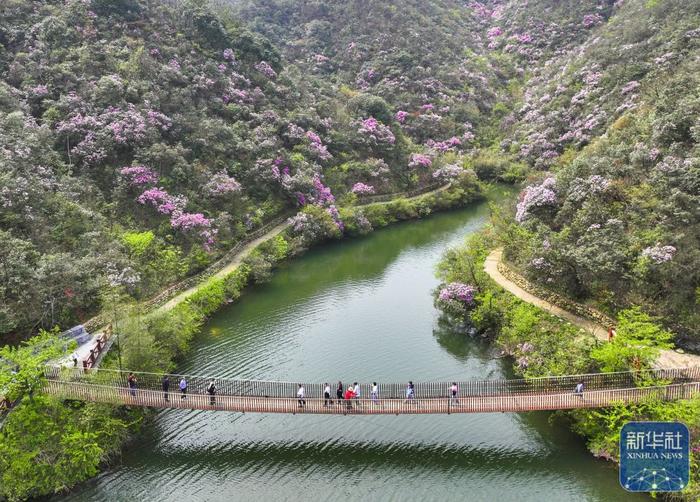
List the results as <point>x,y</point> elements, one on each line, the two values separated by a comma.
<point>668,358</point>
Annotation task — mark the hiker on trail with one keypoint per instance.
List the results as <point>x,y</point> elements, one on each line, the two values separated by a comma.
<point>183,388</point>
<point>410,392</point>
<point>75,361</point>
<point>211,390</point>
<point>131,381</point>
<point>374,394</point>
<point>349,395</point>
<point>300,396</point>
<point>339,392</point>
<point>165,383</point>
<point>455,391</point>
<point>579,389</point>
<point>327,395</point>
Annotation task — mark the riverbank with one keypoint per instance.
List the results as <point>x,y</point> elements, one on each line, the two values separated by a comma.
<point>543,339</point>
<point>153,341</point>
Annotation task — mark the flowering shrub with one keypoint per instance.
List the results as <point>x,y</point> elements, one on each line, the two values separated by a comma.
<point>536,196</point>
<point>161,200</point>
<point>139,175</point>
<point>222,184</point>
<point>189,221</point>
<point>420,160</point>
<point>362,189</point>
<point>376,132</point>
<point>591,20</point>
<point>267,70</point>
<point>659,254</point>
<point>448,172</point>
<point>458,291</point>
<point>401,116</point>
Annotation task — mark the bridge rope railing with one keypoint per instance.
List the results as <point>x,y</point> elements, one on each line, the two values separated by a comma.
<point>471,404</point>
<point>197,384</point>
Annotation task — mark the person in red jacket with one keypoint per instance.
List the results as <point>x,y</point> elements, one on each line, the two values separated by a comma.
<point>349,395</point>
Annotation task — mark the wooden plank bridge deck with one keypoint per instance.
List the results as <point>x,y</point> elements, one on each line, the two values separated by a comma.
<point>487,396</point>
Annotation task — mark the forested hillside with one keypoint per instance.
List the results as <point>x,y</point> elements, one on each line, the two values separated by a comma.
<point>142,138</point>
<point>602,95</point>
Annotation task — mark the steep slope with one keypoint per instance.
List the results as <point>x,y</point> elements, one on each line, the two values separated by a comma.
<point>142,138</point>
<point>619,222</point>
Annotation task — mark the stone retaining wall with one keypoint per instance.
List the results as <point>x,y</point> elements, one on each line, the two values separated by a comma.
<point>554,298</point>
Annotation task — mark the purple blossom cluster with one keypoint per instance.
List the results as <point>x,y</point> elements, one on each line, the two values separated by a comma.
<point>659,254</point>
<point>222,184</point>
<point>317,146</point>
<point>39,91</point>
<point>458,291</point>
<point>189,221</point>
<point>376,132</point>
<point>444,146</point>
<point>536,196</point>
<point>159,120</point>
<point>591,20</point>
<point>267,70</point>
<point>323,193</point>
<point>161,200</point>
<point>333,212</point>
<point>401,116</point>
<point>139,175</point>
<point>229,55</point>
<point>420,160</point>
<point>448,172</point>
<point>362,189</point>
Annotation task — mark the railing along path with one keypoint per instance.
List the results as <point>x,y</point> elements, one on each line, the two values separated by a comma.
<point>477,396</point>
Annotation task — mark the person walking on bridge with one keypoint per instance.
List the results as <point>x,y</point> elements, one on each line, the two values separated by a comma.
<point>339,392</point>
<point>356,393</point>
<point>455,392</point>
<point>211,390</point>
<point>183,388</point>
<point>327,395</point>
<point>131,381</point>
<point>374,394</point>
<point>300,396</point>
<point>410,392</point>
<point>579,389</point>
<point>165,383</point>
<point>349,395</point>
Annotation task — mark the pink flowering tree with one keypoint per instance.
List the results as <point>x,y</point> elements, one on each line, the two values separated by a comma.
<point>536,196</point>
<point>138,175</point>
<point>221,184</point>
<point>362,189</point>
<point>456,298</point>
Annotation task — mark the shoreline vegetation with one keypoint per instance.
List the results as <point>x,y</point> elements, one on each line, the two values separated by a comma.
<point>541,344</point>
<point>92,435</point>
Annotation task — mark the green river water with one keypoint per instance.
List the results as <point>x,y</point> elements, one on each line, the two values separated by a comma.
<point>357,310</point>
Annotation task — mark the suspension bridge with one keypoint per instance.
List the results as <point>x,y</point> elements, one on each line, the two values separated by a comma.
<point>474,396</point>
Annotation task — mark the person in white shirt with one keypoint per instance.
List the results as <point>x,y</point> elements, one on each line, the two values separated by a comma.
<point>375,392</point>
<point>300,396</point>
<point>579,389</point>
<point>410,392</point>
<point>455,392</point>
<point>356,390</point>
<point>327,395</point>
<point>183,388</point>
